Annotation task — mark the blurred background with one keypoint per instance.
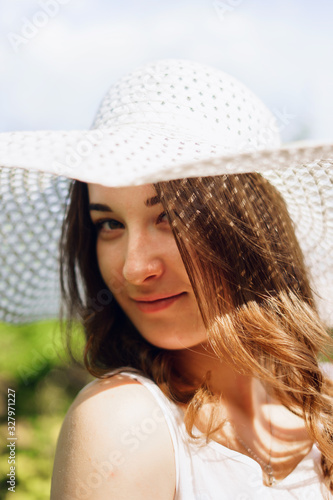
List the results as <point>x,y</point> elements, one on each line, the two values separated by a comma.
<point>57,60</point>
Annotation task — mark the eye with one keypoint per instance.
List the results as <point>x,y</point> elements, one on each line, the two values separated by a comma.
<point>162,216</point>
<point>107,225</point>
<point>110,225</point>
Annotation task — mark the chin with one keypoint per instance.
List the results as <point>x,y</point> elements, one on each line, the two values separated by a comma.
<point>173,342</point>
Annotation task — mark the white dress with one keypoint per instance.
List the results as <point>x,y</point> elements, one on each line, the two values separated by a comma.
<point>213,472</point>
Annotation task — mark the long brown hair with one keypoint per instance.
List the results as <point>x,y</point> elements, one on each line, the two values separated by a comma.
<point>247,271</point>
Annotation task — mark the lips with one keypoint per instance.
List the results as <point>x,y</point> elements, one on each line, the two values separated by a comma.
<point>157,298</point>
<point>154,304</point>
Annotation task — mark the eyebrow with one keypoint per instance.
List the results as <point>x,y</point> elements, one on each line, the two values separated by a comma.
<point>100,207</point>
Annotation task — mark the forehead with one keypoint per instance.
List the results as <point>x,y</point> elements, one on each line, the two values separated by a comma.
<point>98,192</point>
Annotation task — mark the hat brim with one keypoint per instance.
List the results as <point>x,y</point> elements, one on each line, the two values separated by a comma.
<point>131,155</point>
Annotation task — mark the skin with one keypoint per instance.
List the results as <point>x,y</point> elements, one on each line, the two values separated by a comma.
<point>138,257</point>
<point>105,447</point>
<point>145,263</point>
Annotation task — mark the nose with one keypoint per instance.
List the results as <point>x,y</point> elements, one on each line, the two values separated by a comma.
<point>143,259</point>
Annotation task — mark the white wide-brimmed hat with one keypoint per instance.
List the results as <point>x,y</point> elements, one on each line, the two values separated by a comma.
<point>167,120</point>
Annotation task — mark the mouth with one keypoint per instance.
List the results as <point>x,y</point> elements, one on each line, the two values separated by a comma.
<point>155,305</point>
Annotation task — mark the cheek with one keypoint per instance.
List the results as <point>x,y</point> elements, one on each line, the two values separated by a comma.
<point>110,266</point>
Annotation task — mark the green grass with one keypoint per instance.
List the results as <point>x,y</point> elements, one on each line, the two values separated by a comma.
<point>34,363</point>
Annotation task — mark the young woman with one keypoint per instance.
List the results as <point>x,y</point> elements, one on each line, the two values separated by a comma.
<point>196,300</point>
<point>212,304</point>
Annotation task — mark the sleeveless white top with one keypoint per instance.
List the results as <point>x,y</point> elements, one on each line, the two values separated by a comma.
<point>213,472</point>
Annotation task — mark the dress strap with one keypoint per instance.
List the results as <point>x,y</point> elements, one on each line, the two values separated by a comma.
<point>171,413</point>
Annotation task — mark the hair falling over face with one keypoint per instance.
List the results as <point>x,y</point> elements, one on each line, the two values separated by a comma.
<point>240,251</point>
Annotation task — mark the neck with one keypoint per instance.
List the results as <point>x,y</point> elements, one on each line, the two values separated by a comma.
<point>273,434</point>
<point>224,380</point>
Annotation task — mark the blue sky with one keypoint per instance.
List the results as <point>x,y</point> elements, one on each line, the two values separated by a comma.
<point>55,77</point>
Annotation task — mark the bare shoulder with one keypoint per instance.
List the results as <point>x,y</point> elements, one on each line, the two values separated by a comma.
<point>114,443</point>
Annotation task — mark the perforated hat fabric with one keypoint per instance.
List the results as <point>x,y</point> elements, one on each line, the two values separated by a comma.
<point>169,119</point>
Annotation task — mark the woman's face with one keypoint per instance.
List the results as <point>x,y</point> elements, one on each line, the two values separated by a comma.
<point>141,265</point>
